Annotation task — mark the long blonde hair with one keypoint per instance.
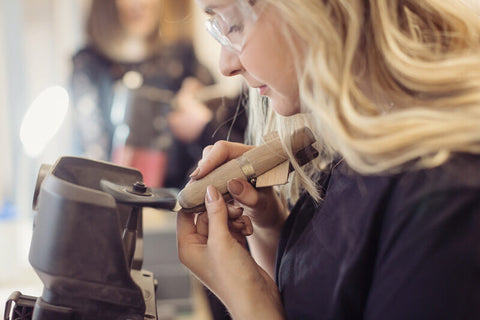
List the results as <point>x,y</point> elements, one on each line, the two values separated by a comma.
<point>386,82</point>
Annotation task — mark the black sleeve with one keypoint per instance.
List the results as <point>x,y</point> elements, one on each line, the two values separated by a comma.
<point>90,91</point>
<point>229,123</point>
<point>428,264</point>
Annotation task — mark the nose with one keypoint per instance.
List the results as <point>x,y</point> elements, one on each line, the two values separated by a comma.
<point>229,63</point>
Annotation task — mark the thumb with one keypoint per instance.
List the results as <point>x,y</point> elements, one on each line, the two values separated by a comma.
<point>217,214</point>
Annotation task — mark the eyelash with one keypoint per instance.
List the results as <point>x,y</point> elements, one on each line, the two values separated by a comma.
<point>235,28</point>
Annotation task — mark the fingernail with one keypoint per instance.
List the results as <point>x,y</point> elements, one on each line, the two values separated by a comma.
<point>234,187</point>
<point>212,194</point>
<point>194,173</point>
<point>247,231</point>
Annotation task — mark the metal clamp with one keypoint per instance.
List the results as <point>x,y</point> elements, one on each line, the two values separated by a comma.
<point>247,169</point>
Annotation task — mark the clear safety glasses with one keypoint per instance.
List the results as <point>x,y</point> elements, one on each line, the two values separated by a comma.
<point>231,24</point>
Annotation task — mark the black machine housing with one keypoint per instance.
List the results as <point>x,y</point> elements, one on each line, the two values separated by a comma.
<point>87,244</point>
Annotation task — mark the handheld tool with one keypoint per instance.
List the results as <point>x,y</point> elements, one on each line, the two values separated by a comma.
<point>265,165</point>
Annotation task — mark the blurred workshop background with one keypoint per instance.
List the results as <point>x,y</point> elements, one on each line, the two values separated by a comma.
<point>38,39</point>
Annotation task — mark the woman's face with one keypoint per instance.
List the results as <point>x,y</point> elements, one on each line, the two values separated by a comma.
<point>140,18</point>
<point>265,59</point>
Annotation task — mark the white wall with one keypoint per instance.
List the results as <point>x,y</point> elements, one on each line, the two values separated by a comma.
<point>4,143</point>
<point>37,38</point>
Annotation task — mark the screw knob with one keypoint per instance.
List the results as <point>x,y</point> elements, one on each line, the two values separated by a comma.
<point>139,187</point>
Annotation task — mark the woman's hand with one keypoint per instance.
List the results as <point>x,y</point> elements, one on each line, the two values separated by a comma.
<point>211,247</point>
<point>262,206</point>
<point>190,116</point>
<point>239,225</point>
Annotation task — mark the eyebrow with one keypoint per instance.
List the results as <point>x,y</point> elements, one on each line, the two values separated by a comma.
<point>209,10</point>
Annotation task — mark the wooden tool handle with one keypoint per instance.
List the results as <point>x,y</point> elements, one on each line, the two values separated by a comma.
<point>250,165</point>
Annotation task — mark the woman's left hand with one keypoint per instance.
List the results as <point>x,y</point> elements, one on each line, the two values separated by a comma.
<point>190,116</point>
<point>213,247</point>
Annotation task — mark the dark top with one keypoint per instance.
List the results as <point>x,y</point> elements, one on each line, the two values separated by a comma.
<point>404,246</point>
<point>103,107</point>
<point>98,79</point>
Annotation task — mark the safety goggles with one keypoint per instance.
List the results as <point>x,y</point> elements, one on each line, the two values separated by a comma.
<point>231,24</point>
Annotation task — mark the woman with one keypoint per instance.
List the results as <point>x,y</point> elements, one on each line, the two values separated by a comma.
<point>139,52</point>
<point>387,223</point>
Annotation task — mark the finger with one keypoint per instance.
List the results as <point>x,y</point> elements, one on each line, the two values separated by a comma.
<point>243,192</point>
<point>185,224</point>
<point>195,173</point>
<point>242,225</point>
<point>248,227</point>
<point>217,214</point>
<point>206,150</point>
<point>238,230</point>
<point>218,154</point>
<point>236,225</point>
<point>191,84</point>
<point>185,228</point>
<point>234,212</point>
<point>240,239</point>
<point>202,224</point>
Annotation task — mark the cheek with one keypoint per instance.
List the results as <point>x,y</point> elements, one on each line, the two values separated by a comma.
<point>258,66</point>
<point>267,62</point>
<point>272,68</point>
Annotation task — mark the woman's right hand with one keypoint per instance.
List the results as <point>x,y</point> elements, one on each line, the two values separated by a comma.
<point>262,206</point>
<point>214,250</point>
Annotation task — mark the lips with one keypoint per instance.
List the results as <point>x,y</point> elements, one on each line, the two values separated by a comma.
<point>263,89</point>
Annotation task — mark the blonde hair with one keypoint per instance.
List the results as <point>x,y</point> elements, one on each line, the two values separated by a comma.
<point>386,82</point>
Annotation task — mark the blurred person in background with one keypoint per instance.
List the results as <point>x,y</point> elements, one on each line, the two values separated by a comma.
<point>142,98</point>
<point>123,83</point>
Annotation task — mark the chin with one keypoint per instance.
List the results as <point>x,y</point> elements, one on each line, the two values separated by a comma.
<point>285,108</point>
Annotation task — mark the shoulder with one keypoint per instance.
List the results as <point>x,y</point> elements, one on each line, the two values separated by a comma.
<point>428,233</point>
<point>432,203</point>
<point>461,169</point>
<point>181,50</point>
<point>88,57</point>
<point>391,195</point>
<point>460,173</point>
